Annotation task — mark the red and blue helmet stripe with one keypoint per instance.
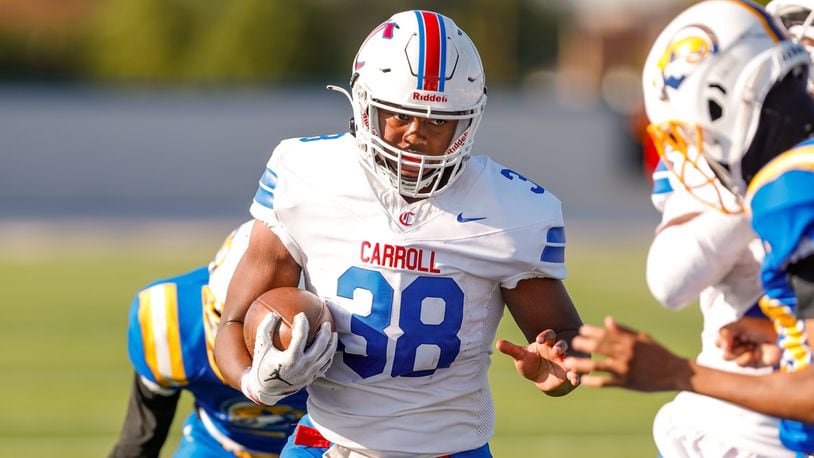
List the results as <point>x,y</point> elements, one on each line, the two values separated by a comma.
<point>432,51</point>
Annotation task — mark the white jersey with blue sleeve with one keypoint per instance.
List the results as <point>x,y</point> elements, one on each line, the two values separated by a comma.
<point>415,289</point>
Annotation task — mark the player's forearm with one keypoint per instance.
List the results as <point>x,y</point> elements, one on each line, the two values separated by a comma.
<point>783,395</point>
<point>256,273</point>
<point>231,354</point>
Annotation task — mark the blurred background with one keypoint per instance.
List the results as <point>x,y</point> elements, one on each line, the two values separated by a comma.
<point>133,132</point>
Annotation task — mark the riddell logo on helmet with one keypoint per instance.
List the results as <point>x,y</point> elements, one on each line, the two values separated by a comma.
<point>429,97</point>
<point>458,143</point>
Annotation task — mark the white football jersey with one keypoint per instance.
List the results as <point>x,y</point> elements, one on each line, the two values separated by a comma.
<point>725,278</point>
<point>414,289</point>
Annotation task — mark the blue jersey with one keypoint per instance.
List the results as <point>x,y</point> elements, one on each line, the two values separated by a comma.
<point>170,340</point>
<point>781,199</point>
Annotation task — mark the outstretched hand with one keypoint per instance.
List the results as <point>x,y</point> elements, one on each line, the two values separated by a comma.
<point>542,362</point>
<point>632,360</point>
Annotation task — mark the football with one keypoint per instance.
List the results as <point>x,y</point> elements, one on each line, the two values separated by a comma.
<point>286,302</point>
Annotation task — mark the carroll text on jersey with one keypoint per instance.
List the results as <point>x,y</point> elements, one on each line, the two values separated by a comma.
<point>398,257</point>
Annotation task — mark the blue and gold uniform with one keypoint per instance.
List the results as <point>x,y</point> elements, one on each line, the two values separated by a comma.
<point>781,199</point>
<point>170,338</point>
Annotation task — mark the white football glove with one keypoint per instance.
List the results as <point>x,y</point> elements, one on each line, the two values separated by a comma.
<point>275,374</point>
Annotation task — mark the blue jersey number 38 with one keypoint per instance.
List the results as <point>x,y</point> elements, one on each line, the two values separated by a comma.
<point>415,332</point>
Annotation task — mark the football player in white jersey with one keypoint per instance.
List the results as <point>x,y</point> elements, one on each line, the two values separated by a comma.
<point>417,246</point>
<point>725,81</point>
<point>700,250</point>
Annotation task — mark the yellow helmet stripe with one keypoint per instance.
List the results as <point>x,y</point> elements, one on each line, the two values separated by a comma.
<point>798,159</point>
<point>158,316</point>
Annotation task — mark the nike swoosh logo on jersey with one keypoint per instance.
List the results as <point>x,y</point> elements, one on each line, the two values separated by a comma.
<point>463,219</point>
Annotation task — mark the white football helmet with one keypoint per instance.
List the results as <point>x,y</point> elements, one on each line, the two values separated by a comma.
<point>417,63</point>
<point>705,80</point>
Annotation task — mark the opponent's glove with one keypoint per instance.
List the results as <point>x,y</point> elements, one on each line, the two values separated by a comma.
<point>275,374</point>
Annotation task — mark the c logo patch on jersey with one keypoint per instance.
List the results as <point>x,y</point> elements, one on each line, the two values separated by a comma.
<point>407,218</point>
<point>689,47</point>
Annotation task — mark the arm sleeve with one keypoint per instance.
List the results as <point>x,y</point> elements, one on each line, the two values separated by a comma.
<point>686,258</point>
<point>147,422</point>
<point>536,250</point>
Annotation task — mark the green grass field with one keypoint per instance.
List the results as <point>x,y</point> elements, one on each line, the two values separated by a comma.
<point>65,374</point>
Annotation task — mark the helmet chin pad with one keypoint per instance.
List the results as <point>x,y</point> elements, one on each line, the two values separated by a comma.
<point>786,119</point>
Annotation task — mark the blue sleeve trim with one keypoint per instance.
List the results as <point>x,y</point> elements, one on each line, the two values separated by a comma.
<point>554,254</point>
<point>322,137</point>
<point>556,235</point>
<point>264,197</point>
<point>269,179</point>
